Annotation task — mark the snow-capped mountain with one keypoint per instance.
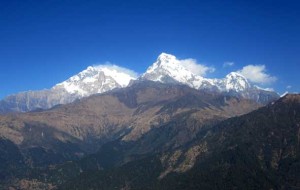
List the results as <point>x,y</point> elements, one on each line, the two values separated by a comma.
<point>93,80</point>
<point>232,82</point>
<point>99,79</point>
<point>168,69</point>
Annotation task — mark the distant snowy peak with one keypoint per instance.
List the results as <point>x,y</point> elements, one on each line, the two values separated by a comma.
<point>236,82</point>
<point>96,79</point>
<point>167,65</point>
<point>165,59</point>
<point>168,69</point>
<point>122,78</point>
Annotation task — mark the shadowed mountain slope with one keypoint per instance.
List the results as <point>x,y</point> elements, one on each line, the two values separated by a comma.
<point>259,150</point>
<point>150,116</point>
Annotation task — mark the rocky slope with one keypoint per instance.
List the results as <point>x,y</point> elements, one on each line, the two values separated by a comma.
<point>153,116</point>
<point>259,150</point>
<point>137,108</point>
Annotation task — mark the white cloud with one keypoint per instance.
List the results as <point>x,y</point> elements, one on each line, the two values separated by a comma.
<point>288,87</point>
<point>228,64</point>
<point>257,74</point>
<point>196,68</point>
<point>111,66</point>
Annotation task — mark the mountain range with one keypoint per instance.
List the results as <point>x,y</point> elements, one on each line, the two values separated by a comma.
<point>153,136</point>
<point>134,116</point>
<point>99,79</point>
<point>166,129</point>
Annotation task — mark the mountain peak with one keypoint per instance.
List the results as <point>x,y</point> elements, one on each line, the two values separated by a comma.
<point>96,79</point>
<point>167,61</point>
<point>237,82</point>
<point>164,57</point>
<point>234,75</point>
<point>168,69</point>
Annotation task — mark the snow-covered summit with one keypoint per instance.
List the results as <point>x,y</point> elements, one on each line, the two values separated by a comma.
<point>169,69</point>
<point>167,65</point>
<point>96,79</point>
<point>164,57</point>
<point>236,82</point>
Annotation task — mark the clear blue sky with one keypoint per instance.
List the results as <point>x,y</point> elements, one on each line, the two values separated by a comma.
<point>45,42</point>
